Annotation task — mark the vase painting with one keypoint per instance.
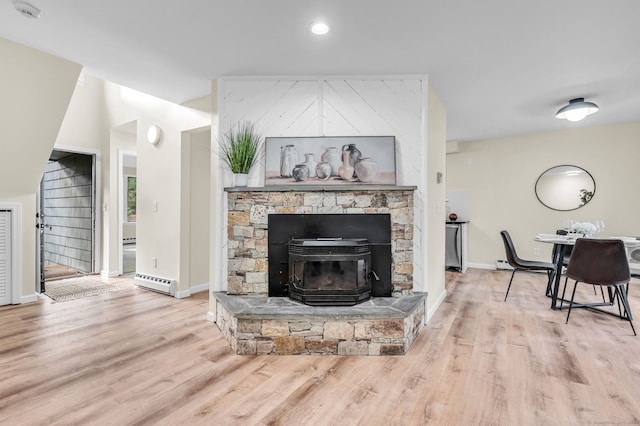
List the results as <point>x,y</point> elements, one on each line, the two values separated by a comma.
<point>370,158</point>
<point>333,157</point>
<point>346,170</point>
<point>366,169</point>
<point>310,162</point>
<point>323,170</point>
<point>354,153</point>
<point>300,172</point>
<point>288,160</point>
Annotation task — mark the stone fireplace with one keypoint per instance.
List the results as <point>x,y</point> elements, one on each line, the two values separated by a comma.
<point>257,318</point>
<point>248,222</point>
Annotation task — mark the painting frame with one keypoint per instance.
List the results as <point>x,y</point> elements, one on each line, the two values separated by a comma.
<point>373,159</point>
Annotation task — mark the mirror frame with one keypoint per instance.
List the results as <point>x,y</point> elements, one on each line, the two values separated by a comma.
<point>565,165</point>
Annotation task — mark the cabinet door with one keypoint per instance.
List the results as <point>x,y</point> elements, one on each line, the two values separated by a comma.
<point>452,253</point>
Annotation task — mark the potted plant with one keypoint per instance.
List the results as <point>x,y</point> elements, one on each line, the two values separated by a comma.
<point>241,149</point>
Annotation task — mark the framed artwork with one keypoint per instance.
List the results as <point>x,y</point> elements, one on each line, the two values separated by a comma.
<point>332,160</point>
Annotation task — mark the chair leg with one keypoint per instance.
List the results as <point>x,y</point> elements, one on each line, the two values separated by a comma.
<point>510,281</point>
<point>622,294</point>
<point>571,303</point>
<point>563,291</point>
<point>616,296</point>
<point>550,276</point>
<point>595,292</point>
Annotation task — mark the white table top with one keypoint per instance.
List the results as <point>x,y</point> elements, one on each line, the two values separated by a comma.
<point>570,239</point>
<point>558,239</point>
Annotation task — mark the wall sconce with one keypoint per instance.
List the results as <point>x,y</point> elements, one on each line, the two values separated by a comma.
<point>153,134</point>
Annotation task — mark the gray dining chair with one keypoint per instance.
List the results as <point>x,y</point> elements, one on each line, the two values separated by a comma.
<point>519,264</point>
<point>601,262</point>
<point>565,263</point>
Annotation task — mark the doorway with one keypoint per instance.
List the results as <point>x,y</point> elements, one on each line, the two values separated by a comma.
<point>66,216</point>
<point>128,212</point>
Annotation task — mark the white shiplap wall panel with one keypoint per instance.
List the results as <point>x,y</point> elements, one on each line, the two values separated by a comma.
<point>378,107</point>
<point>349,106</point>
<point>394,105</point>
<point>278,107</point>
<point>350,112</point>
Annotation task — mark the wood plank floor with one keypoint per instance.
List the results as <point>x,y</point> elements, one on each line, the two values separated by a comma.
<point>135,357</point>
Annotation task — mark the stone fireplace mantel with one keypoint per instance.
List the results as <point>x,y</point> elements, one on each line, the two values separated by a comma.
<point>316,188</point>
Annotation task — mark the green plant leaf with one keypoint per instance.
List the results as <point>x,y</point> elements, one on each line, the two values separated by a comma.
<point>241,147</point>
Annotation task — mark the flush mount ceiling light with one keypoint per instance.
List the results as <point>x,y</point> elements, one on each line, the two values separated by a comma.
<point>319,28</point>
<point>576,110</point>
<point>27,9</point>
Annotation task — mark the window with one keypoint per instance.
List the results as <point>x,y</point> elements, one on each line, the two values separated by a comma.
<point>131,199</point>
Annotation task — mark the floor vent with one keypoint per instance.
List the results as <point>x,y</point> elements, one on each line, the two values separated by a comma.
<point>160,285</point>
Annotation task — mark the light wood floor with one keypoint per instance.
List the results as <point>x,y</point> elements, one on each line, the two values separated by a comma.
<point>135,357</point>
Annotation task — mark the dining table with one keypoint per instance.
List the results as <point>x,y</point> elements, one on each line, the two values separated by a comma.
<point>561,244</point>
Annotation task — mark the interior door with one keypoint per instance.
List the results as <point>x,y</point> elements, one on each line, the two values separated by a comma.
<point>66,216</point>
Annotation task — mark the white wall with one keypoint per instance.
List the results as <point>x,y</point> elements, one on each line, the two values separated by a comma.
<point>436,211</point>
<point>36,88</point>
<point>196,214</point>
<point>501,174</point>
<point>158,175</point>
<point>111,118</point>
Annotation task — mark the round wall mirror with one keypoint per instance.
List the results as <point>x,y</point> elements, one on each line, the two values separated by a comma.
<point>565,187</point>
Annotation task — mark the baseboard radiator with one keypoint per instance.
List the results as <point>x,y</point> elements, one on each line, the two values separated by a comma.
<point>502,264</point>
<point>157,284</point>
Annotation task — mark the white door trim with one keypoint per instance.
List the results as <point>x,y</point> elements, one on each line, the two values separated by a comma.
<point>121,200</point>
<point>16,249</point>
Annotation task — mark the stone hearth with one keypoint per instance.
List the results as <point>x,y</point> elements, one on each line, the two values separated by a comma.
<point>260,325</point>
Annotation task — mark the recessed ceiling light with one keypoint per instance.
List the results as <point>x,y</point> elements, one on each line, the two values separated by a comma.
<point>319,28</point>
<point>27,9</point>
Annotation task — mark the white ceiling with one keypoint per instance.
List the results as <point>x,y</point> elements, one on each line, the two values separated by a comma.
<point>501,67</point>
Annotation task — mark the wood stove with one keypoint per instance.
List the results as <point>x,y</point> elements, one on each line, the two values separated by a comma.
<point>329,247</point>
<point>330,271</point>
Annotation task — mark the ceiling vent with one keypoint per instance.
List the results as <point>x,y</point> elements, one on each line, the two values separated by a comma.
<point>27,9</point>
